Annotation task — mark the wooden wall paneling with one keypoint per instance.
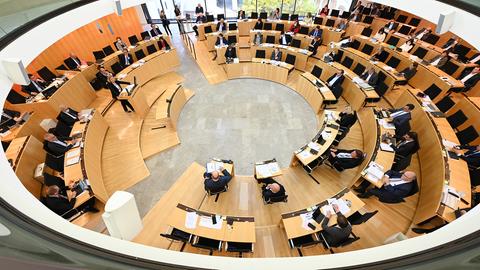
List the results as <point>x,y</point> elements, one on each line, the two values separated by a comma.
<point>32,155</point>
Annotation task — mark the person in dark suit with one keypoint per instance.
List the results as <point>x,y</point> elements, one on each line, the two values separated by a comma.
<point>404,149</point>
<point>470,78</point>
<point>221,26</point>
<point>423,33</point>
<point>67,115</point>
<point>390,26</point>
<point>199,9</point>
<point>343,24</point>
<point>221,40</point>
<point>317,32</point>
<point>410,71</point>
<point>381,55</point>
<point>276,55</point>
<point>155,30</point>
<point>475,59</point>
<point>163,44</point>
<point>348,118</point>
<point>401,119</point>
<point>258,24</point>
<point>115,89</point>
<point>370,76</point>
<point>396,186</point>
<point>59,202</point>
<point>230,53</point>
<point>472,157</point>
<point>200,19</point>
<point>214,181</point>
<point>120,44</point>
<point>9,118</point>
<point>339,233</point>
<point>271,188</point>
<point>126,59</point>
<point>36,85</point>
<point>102,75</point>
<point>313,47</point>
<point>73,62</point>
<point>58,145</point>
<point>331,56</point>
<point>285,39</point>
<point>342,159</point>
<point>335,83</point>
<point>346,43</point>
<point>241,15</point>
<point>439,60</point>
<point>450,43</point>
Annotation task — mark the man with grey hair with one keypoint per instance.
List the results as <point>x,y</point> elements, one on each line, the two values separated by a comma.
<point>396,186</point>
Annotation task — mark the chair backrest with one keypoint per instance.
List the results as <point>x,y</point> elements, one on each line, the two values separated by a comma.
<point>367,49</point>
<point>267,26</point>
<point>260,54</point>
<point>220,16</point>
<point>401,18</point>
<point>420,52</point>
<point>345,14</point>
<point>414,22</point>
<point>359,69</point>
<point>355,44</point>
<point>208,29</point>
<point>290,59</point>
<point>145,35</point>
<point>381,88</point>
<point>368,19</point>
<point>239,247</point>
<point>330,23</point>
<point>275,199</point>
<point>233,39</point>
<point>232,26</point>
<point>151,49</point>
<point>46,74</point>
<point>317,71</point>
<point>432,39</point>
<point>449,67</point>
<point>381,77</point>
<point>457,119</point>
<point>367,31</point>
<point>62,129</point>
<point>293,17</point>
<point>303,30</point>
<point>210,18</point>
<point>303,241</point>
<point>254,15</point>
<point>467,135</point>
<point>217,191</point>
<point>108,50</point>
<point>347,62</point>
<point>139,54</point>
<point>445,104</point>
<point>270,39</point>
<point>15,98</point>
<point>334,12</point>
<point>433,91</point>
<point>279,27</point>
<point>116,68</point>
<point>405,29</point>
<point>393,41</point>
<point>383,56</point>
<point>61,67</point>
<point>133,40</point>
<point>296,43</point>
<point>318,20</point>
<point>393,62</point>
<point>263,15</point>
<point>284,16</point>
<point>99,55</point>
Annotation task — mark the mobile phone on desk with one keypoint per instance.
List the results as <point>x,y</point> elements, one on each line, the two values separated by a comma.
<point>214,219</point>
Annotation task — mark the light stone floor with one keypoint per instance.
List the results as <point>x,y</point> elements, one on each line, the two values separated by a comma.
<point>245,120</point>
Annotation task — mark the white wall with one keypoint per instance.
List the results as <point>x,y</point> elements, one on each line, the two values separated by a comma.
<point>465,24</point>
<point>31,44</point>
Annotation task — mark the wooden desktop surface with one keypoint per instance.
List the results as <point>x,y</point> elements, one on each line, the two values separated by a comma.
<point>301,56</point>
<point>315,96</point>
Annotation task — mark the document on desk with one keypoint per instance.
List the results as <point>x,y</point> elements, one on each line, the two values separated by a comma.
<point>263,170</point>
<point>191,220</point>
<point>386,147</point>
<point>213,166</point>
<point>386,124</point>
<point>314,146</point>
<point>327,209</point>
<point>206,221</point>
<point>305,154</point>
<point>448,144</point>
<point>306,218</point>
<point>342,206</point>
<point>73,153</point>
<point>450,197</point>
<point>374,171</point>
<point>324,89</point>
<point>273,167</point>
<point>72,161</point>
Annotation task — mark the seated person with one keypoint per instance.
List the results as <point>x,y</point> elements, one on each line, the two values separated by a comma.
<point>58,146</point>
<point>271,189</point>
<point>200,19</point>
<point>370,76</point>
<point>339,233</point>
<point>308,19</point>
<point>408,45</point>
<point>62,201</point>
<point>215,182</point>
<point>470,78</point>
<point>67,115</point>
<point>381,55</point>
<point>475,59</point>
<point>102,75</point>
<point>221,26</point>
<point>73,62</point>
<point>472,157</point>
<point>258,24</point>
<point>126,59</point>
<point>342,159</point>
<point>241,15</point>
<point>390,26</point>
<point>163,44</point>
<point>331,56</point>
<point>285,39</point>
<point>407,146</point>
<point>276,55</point>
<point>401,119</point>
<point>335,83</point>
<point>346,43</point>
<point>120,44</point>
<point>317,32</point>
<point>423,33</point>
<point>295,27</point>
<point>36,85</point>
<point>396,186</point>
<point>342,25</point>
<point>380,35</point>
<point>439,60</point>
<point>230,53</point>
<point>221,41</point>
<point>450,43</point>
<point>313,47</point>
<point>155,30</point>
<point>258,38</point>
<point>9,118</point>
<point>410,71</point>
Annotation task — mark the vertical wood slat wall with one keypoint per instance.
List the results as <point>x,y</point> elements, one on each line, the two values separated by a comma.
<point>87,39</point>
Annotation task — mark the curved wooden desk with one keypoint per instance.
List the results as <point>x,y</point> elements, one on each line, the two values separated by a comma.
<point>437,169</point>
<point>301,55</point>
<point>212,38</point>
<point>259,68</point>
<point>30,127</point>
<point>316,96</point>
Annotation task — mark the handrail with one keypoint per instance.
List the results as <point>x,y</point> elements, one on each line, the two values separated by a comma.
<point>186,39</point>
<point>19,31</point>
<point>171,99</point>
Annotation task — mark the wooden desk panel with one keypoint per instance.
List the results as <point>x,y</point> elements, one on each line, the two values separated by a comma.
<point>309,91</point>
<point>265,33</point>
<point>201,29</point>
<point>300,58</point>
<point>212,38</point>
<point>244,27</point>
<point>257,70</point>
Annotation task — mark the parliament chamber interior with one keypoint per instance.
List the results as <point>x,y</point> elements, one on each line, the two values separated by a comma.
<point>273,134</point>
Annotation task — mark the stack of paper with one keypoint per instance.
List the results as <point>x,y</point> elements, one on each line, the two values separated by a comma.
<point>206,221</point>
<point>314,146</point>
<point>191,220</point>
<point>450,197</point>
<point>214,166</point>
<point>385,124</point>
<point>72,161</point>
<point>448,144</point>
<point>374,172</point>
<point>386,147</point>
<point>342,206</point>
<point>324,89</point>
<point>306,218</point>
<point>305,154</point>
<point>73,153</point>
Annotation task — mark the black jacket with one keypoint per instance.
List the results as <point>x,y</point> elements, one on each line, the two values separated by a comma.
<point>347,119</point>
<point>224,26</point>
<point>155,32</point>
<point>470,82</point>
<point>408,72</point>
<point>114,90</point>
<point>373,79</point>
<point>344,163</point>
<point>123,60</point>
<point>404,149</point>
<point>218,185</point>
<point>58,149</point>
<point>267,193</point>
<point>231,53</point>
<point>337,85</point>
<point>258,25</point>
<point>401,123</point>
<point>225,42</point>
<point>59,205</point>
<point>335,235</point>
<point>393,193</point>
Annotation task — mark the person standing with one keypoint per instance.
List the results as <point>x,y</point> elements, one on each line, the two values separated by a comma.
<point>165,23</point>
<point>115,88</point>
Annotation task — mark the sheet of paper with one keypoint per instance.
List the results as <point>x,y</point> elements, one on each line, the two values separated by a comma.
<point>305,154</point>
<point>263,170</point>
<point>324,89</point>
<point>448,144</point>
<point>306,218</point>
<point>191,220</point>
<point>314,146</point>
<point>206,221</point>
<point>386,147</point>
<point>375,170</point>
<point>73,153</point>
<point>214,166</point>
<point>273,167</point>
<point>385,124</point>
<point>72,161</point>
<point>342,206</point>
<point>326,209</point>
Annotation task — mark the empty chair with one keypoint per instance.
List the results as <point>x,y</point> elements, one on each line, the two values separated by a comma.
<point>347,62</point>
<point>61,67</point>
<point>207,243</point>
<point>414,22</point>
<point>381,88</point>
<point>116,68</point>
<point>55,162</point>
<point>355,44</point>
<point>345,15</point>
<point>456,119</point>
<point>449,67</point>
<point>263,15</point>
<point>393,62</point>
<point>293,17</point>
<point>233,40</point>
<point>295,43</point>
<point>330,23</point>
<point>303,241</point>
<point>405,29</point>
<point>232,26</point>
<point>238,247</point>
<point>267,26</point>
<point>139,54</point>
<point>145,35</point>
<point>392,41</point>
<point>318,20</point>
<point>220,16</point>
<point>433,91</point>
<point>334,12</point>
<point>133,40</point>
<point>368,19</point>
<point>317,71</point>
<point>107,50</point>
<point>254,15</point>
<point>467,135</point>
<point>445,104</point>
<point>432,39</point>
<point>367,31</point>
<point>208,29</point>
<point>303,30</point>
<point>178,235</point>
<point>401,18</point>
<point>367,49</point>
<point>381,77</point>
<point>151,49</point>
<point>420,52</point>
<point>339,54</point>
<point>359,69</point>
<point>15,98</point>
<point>290,59</point>
<point>62,129</point>
<point>46,74</point>
<point>348,241</point>
<point>279,27</point>
<point>270,39</point>
<point>284,16</point>
<point>260,54</point>
<point>99,55</point>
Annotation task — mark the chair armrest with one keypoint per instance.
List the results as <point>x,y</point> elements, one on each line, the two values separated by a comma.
<point>325,241</point>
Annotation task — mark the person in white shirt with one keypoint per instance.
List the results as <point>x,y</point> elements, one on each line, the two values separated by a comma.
<point>475,59</point>
<point>408,45</point>
<point>396,186</point>
<point>285,39</point>
<point>258,39</point>
<point>308,19</point>
<point>380,35</point>
<point>423,33</point>
<point>440,60</point>
<point>276,14</point>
